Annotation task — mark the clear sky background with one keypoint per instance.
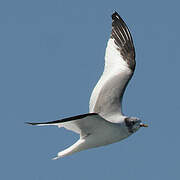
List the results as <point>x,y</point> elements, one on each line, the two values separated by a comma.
<point>52,55</point>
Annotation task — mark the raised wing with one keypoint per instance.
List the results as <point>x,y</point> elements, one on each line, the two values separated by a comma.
<point>106,98</point>
<point>83,124</point>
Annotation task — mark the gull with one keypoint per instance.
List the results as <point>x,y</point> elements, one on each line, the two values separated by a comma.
<point>105,123</point>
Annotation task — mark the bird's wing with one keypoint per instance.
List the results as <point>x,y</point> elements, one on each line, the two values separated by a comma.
<point>83,124</point>
<point>120,63</point>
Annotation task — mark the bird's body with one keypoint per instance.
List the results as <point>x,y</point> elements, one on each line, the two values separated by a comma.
<point>106,124</point>
<point>103,134</point>
<point>94,131</point>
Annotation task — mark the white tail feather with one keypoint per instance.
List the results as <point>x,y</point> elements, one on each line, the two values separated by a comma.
<point>76,147</point>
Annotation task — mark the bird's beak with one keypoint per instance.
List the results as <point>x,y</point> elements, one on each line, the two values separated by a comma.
<point>143,125</point>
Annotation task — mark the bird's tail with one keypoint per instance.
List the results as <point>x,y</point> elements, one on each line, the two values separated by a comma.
<point>76,147</point>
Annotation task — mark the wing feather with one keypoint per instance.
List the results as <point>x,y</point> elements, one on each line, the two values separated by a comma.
<point>106,98</point>
<point>84,124</point>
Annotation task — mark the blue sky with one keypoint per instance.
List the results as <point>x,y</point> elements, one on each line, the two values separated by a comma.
<point>51,56</point>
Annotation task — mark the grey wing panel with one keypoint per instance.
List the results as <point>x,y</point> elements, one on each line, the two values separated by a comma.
<point>109,100</point>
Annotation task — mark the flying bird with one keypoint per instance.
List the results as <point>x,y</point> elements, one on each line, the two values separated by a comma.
<point>105,123</point>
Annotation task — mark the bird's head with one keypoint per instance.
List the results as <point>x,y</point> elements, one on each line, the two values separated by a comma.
<point>133,124</point>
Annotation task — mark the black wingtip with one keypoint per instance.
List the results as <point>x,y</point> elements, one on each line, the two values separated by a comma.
<point>29,123</point>
<point>115,16</point>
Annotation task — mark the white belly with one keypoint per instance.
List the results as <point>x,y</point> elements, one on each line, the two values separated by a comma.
<point>106,135</point>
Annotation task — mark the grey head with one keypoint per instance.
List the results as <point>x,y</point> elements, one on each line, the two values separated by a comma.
<point>133,124</point>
